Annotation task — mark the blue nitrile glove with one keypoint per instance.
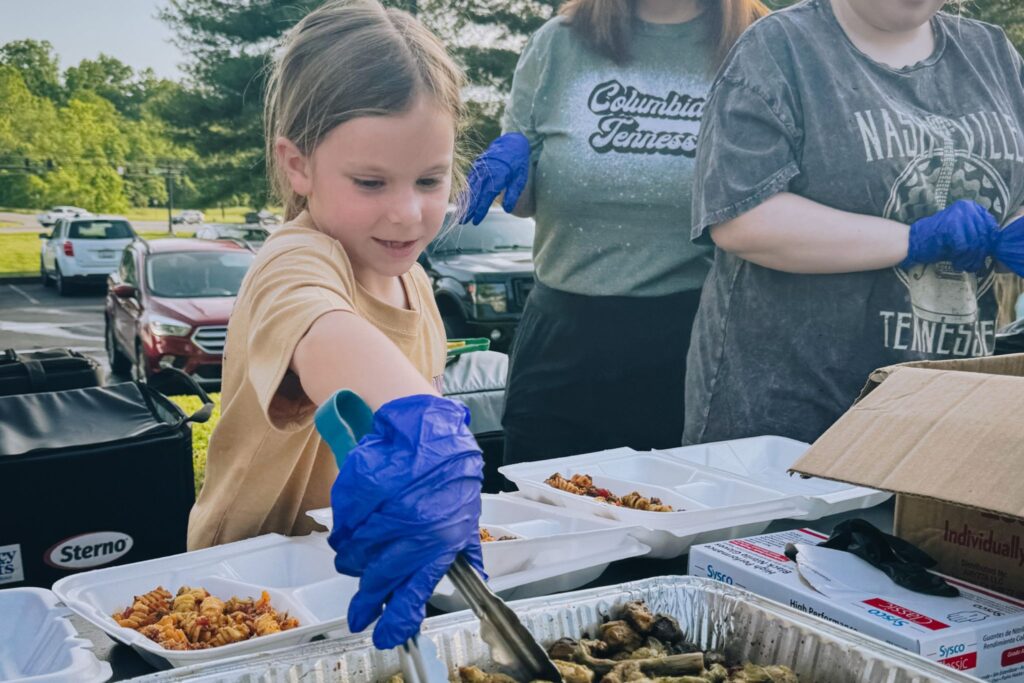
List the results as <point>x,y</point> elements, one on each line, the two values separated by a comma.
<point>963,233</point>
<point>1010,246</point>
<point>503,167</point>
<point>406,502</point>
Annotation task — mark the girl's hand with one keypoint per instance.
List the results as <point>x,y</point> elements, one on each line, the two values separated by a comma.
<point>406,503</point>
<point>503,167</point>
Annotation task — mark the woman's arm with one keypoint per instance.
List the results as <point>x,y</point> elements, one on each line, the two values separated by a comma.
<point>343,351</point>
<point>796,235</point>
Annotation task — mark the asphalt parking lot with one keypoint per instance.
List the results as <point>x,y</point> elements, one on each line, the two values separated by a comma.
<point>36,317</point>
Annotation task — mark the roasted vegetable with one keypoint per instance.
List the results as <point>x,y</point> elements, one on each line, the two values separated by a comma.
<point>638,616</point>
<point>639,647</point>
<point>620,636</point>
<point>472,674</point>
<point>752,673</point>
<point>574,673</point>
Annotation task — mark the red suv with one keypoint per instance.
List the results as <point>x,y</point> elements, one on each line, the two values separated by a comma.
<point>168,304</point>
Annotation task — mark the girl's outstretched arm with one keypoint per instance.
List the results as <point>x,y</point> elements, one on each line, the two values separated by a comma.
<point>343,351</point>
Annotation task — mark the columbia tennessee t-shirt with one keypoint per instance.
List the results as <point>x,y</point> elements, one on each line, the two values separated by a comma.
<point>613,147</point>
<point>799,108</point>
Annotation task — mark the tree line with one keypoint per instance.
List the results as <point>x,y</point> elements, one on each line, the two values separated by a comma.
<point>105,136</point>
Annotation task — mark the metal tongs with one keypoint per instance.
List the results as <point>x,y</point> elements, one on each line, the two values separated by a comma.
<point>512,646</point>
<point>341,422</point>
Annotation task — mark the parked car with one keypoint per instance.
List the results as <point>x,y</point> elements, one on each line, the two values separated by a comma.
<point>168,305</point>
<point>191,216</point>
<point>263,217</point>
<point>482,275</point>
<point>81,250</point>
<point>253,236</point>
<point>55,213</point>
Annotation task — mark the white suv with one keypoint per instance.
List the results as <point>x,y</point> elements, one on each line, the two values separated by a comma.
<point>57,212</point>
<point>189,216</point>
<point>85,249</point>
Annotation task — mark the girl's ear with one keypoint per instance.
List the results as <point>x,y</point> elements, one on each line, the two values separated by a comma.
<point>296,166</point>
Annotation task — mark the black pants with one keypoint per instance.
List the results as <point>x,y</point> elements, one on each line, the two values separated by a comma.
<point>589,373</point>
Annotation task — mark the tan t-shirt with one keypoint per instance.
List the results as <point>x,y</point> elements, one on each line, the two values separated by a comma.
<point>266,465</point>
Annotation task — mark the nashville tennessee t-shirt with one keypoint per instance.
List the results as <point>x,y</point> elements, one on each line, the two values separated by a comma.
<point>613,147</point>
<point>799,108</point>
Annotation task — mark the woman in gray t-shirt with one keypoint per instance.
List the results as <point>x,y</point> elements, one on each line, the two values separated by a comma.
<point>833,126</point>
<point>606,103</point>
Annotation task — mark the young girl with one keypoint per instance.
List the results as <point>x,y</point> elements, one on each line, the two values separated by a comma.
<point>856,158</point>
<point>361,117</point>
<point>601,130</point>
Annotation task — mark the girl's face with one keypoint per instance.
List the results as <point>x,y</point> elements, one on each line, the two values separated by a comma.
<point>380,185</point>
<point>895,15</point>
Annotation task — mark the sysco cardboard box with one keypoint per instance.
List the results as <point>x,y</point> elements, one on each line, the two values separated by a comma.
<point>948,438</point>
<point>980,632</point>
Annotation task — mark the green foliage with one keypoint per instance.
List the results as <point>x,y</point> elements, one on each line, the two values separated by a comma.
<point>200,433</point>
<point>229,44</point>
<point>106,128</point>
<point>78,145</point>
<point>35,61</point>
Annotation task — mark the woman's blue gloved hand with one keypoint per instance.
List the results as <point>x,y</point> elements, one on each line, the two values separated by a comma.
<point>1010,246</point>
<point>406,502</point>
<point>963,233</point>
<point>503,167</point>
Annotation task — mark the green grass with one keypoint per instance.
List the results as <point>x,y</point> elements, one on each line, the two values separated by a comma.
<point>200,433</point>
<point>27,212</point>
<point>9,224</point>
<point>19,253</point>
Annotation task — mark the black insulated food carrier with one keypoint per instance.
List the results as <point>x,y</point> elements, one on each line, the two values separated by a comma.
<point>46,370</point>
<point>91,478</point>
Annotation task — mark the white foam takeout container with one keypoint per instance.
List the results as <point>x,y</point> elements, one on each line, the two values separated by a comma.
<point>38,644</point>
<point>555,549</point>
<point>766,460</point>
<point>298,573</point>
<point>745,626</point>
<point>718,491</point>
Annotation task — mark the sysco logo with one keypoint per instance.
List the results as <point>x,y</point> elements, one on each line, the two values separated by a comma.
<point>89,550</point>
<point>895,621</point>
<point>949,651</point>
<point>719,576</point>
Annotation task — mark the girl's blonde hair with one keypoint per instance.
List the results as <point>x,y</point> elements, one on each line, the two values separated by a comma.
<point>605,25</point>
<point>352,58</point>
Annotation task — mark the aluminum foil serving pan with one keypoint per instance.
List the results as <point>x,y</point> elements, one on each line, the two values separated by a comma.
<point>708,505</point>
<point>547,549</point>
<point>38,644</point>
<point>298,574</point>
<point>765,460</point>
<point>714,615</point>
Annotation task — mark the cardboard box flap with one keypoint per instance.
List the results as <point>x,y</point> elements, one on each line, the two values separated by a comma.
<point>949,435</point>
<point>1011,365</point>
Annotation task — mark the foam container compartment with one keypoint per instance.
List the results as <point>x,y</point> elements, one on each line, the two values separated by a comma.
<point>38,644</point>
<point>766,460</point>
<point>709,505</point>
<point>745,626</point>
<point>298,573</point>
<point>555,549</point>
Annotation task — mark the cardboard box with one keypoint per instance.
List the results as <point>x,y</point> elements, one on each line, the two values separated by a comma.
<point>948,438</point>
<point>980,632</point>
